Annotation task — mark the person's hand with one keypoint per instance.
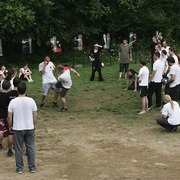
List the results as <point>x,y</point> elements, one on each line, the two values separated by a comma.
<point>78,75</point>
<point>46,63</point>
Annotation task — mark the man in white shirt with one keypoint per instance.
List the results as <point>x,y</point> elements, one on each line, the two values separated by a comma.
<point>48,80</point>
<point>143,84</point>
<point>174,79</point>
<point>165,47</point>
<point>24,112</point>
<point>64,77</point>
<point>155,85</point>
<point>172,54</point>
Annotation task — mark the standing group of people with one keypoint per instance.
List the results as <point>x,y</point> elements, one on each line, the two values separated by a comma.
<point>164,78</point>
<point>18,119</point>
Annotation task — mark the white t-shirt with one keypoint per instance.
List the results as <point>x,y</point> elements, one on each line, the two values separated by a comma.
<point>175,70</point>
<point>158,66</point>
<point>143,76</point>
<point>65,79</point>
<point>166,49</point>
<point>164,60</point>
<point>173,114</point>
<point>22,109</point>
<point>48,76</point>
<point>176,59</point>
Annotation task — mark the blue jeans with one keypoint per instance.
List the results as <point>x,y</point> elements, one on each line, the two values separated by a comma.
<point>27,137</point>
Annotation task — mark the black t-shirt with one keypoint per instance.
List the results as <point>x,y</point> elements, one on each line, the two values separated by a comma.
<point>3,105</point>
<point>11,95</point>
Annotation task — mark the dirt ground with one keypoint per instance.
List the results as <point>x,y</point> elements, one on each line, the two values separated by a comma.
<point>70,149</point>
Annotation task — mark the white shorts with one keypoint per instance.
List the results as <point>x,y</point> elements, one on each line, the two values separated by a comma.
<point>46,88</point>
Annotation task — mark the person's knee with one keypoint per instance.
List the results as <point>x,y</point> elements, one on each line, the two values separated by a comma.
<point>158,121</point>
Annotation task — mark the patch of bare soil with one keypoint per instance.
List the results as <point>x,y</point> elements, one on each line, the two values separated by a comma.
<point>87,150</point>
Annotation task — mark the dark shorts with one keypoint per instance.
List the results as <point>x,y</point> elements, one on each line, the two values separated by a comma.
<point>124,67</point>
<point>143,91</point>
<point>3,125</point>
<point>63,91</point>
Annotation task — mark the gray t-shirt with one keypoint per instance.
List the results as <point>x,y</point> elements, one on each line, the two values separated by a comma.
<point>124,51</point>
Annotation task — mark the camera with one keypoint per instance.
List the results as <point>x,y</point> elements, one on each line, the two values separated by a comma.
<point>164,80</point>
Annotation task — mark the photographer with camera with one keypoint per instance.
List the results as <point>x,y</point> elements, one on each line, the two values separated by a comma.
<point>25,73</point>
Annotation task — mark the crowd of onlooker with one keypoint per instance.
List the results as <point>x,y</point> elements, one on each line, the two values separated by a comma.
<point>163,80</point>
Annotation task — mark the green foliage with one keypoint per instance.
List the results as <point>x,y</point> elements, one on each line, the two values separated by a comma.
<point>16,19</point>
<point>67,18</point>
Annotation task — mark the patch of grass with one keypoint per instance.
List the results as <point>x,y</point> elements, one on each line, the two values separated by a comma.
<point>94,100</point>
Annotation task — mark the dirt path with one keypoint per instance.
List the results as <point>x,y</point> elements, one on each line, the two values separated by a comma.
<point>84,150</point>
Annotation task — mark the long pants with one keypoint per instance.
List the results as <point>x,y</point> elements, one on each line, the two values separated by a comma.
<point>174,92</point>
<point>94,69</point>
<point>154,88</point>
<point>27,137</point>
<point>165,124</point>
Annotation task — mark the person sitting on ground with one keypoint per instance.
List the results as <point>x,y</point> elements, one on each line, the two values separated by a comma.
<point>25,73</point>
<point>132,75</point>
<point>170,113</point>
<point>3,74</point>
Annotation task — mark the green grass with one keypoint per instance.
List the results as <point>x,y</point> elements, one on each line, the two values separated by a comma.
<point>95,101</point>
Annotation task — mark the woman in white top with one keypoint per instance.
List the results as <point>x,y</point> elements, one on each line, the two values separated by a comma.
<point>25,73</point>
<point>170,119</point>
<point>3,74</point>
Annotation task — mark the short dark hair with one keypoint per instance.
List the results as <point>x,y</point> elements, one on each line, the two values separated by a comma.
<point>143,62</point>
<point>170,59</point>
<point>164,52</point>
<point>172,49</point>
<point>157,54</point>
<point>16,81</point>
<point>6,84</point>
<point>21,88</point>
<point>132,71</point>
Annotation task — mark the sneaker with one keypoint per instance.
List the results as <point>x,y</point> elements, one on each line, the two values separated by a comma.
<point>63,109</point>
<point>54,104</point>
<point>10,153</point>
<point>149,108</point>
<point>42,105</point>
<point>32,170</point>
<point>19,171</point>
<point>174,129</point>
<point>158,108</point>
